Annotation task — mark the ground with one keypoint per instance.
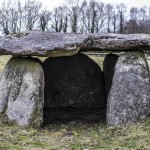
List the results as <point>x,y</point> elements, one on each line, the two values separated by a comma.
<point>85,132</point>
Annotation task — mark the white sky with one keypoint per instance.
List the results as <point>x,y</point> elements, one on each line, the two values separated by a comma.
<point>50,4</point>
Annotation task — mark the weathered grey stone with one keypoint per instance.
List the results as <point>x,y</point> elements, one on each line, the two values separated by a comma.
<point>75,81</point>
<point>108,68</point>
<point>36,43</point>
<point>22,91</point>
<point>129,97</point>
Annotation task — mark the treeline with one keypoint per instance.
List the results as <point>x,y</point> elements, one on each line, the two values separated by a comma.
<point>75,16</point>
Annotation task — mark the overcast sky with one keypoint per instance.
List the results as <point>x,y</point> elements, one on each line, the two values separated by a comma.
<point>50,4</point>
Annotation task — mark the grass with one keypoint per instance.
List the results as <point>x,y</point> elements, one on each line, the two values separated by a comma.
<point>74,135</point>
<point>98,60</point>
<point>148,62</point>
<point>3,61</point>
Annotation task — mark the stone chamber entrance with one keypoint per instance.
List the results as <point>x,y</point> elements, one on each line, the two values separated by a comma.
<point>68,85</point>
<point>76,88</point>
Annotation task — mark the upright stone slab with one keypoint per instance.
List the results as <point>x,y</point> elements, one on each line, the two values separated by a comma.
<point>75,81</point>
<point>108,68</point>
<point>129,97</point>
<point>22,91</point>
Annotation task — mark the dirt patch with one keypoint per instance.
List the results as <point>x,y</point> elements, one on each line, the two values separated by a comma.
<point>72,115</point>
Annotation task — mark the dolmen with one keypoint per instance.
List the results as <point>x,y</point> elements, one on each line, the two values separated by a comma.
<point>69,78</point>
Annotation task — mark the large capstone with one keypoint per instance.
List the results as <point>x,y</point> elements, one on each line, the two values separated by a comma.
<point>38,43</point>
<point>22,91</point>
<point>129,97</point>
<point>75,81</point>
<point>108,68</point>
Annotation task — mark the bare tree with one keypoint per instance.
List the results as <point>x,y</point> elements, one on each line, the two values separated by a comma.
<point>73,14</point>
<point>133,22</point>
<point>142,20</point>
<point>65,19</point>
<point>109,10</point>
<point>101,17</point>
<point>45,17</point>
<point>121,12</point>
<point>5,19</point>
<point>86,16</point>
<point>20,13</point>
<point>10,16</point>
<point>56,20</point>
<point>114,20</point>
<point>31,14</point>
<point>94,16</point>
<point>60,19</point>
<point>82,17</point>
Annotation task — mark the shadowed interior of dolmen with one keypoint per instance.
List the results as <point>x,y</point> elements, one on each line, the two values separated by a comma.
<point>75,89</point>
<point>73,115</point>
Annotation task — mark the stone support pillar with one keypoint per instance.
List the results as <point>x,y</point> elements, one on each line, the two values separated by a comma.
<point>129,97</point>
<point>22,91</point>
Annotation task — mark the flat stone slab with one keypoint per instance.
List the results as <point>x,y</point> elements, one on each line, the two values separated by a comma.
<point>37,43</point>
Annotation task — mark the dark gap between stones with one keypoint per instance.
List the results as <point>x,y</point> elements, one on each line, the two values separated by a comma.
<point>66,79</point>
